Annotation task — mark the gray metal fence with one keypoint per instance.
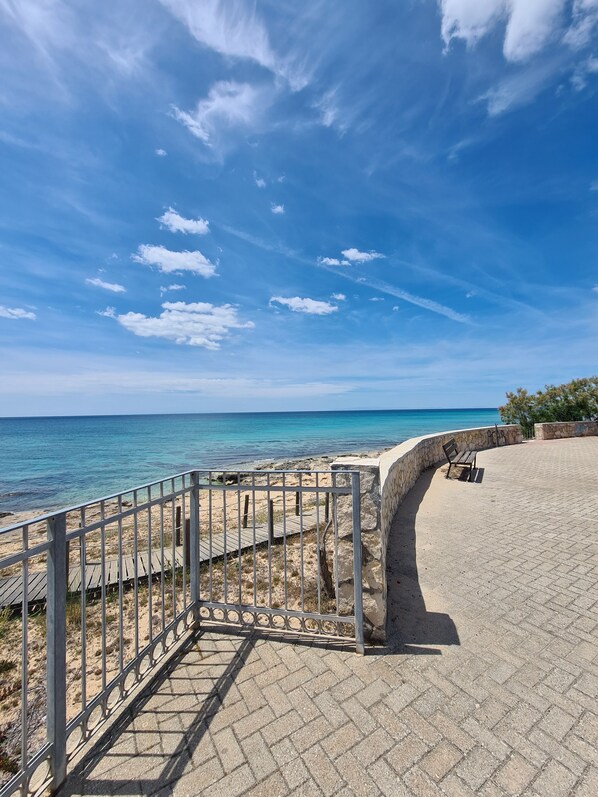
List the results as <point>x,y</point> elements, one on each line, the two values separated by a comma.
<point>94,596</point>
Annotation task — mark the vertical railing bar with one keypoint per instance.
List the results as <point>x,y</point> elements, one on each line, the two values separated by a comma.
<point>56,648</point>
<point>284,542</point>
<point>121,653</point>
<point>301,559</point>
<point>319,577</point>
<point>335,527</point>
<point>269,508</point>
<point>174,568</point>
<point>194,544</point>
<point>224,544</point>
<point>136,569</point>
<point>239,532</point>
<point>357,574</point>
<point>83,557</point>
<point>103,588</point>
<point>185,552</point>
<point>162,562</point>
<point>24,646</point>
<point>199,533</point>
<point>150,570</point>
<point>254,541</point>
<point>210,532</point>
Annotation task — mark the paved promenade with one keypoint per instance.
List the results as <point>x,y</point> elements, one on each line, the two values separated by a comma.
<point>489,685</point>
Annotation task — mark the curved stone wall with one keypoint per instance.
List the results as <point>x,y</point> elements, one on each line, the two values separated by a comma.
<point>384,484</point>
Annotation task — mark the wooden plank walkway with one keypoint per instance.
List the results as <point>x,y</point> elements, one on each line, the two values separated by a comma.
<point>11,588</point>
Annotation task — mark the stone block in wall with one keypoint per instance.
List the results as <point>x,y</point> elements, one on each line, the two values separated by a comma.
<point>563,429</point>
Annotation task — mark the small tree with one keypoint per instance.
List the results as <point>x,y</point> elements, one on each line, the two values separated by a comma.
<point>575,401</point>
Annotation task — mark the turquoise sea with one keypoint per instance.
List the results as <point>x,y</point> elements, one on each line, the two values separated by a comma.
<point>47,463</point>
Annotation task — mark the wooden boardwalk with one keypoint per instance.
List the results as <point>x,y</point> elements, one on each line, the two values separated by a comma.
<point>11,588</point>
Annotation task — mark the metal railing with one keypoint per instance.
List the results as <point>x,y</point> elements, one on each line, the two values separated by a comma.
<point>94,596</point>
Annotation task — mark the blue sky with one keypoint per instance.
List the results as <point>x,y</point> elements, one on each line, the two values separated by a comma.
<point>228,206</point>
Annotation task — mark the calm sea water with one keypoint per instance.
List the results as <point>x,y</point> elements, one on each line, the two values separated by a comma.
<point>46,463</point>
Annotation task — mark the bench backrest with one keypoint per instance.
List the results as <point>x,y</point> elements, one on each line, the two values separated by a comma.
<point>450,449</point>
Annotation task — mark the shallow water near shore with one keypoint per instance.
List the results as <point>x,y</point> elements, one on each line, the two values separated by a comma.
<point>47,463</point>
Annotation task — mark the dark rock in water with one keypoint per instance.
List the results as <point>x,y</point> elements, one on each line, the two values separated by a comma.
<point>6,514</point>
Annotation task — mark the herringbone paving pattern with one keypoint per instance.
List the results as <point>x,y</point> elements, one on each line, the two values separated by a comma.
<point>488,686</point>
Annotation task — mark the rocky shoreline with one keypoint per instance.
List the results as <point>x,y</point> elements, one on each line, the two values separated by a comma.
<point>320,462</point>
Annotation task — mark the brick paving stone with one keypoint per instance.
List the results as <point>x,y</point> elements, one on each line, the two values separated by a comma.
<point>477,766</point>
<point>487,686</point>
<point>554,781</point>
<point>515,775</point>
<point>588,786</point>
<point>439,761</point>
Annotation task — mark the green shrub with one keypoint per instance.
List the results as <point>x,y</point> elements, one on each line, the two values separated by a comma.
<point>574,401</point>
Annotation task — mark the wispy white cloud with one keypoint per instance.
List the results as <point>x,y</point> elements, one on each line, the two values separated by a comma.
<point>161,153</point>
<point>15,313</point>
<point>331,115</point>
<point>174,287</point>
<point>530,24</point>
<point>520,88</point>
<point>171,262</point>
<point>585,18</point>
<point>339,297</point>
<point>234,29</point>
<point>176,223</point>
<point>396,308</point>
<point>195,324</point>
<point>229,105</point>
<point>278,210</point>
<point>377,299</point>
<point>419,301</point>
<point>579,79</point>
<point>259,181</point>
<point>309,306</point>
<point>114,287</point>
<point>333,261</point>
<point>355,256</point>
<point>594,185</point>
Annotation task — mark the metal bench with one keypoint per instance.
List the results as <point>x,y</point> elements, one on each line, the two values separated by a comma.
<point>465,459</point>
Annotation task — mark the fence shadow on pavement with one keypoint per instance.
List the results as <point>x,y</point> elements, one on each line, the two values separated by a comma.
<point>409,623</point>
<point>184,717</point>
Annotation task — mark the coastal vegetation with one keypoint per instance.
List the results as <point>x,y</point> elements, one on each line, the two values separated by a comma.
<point>574,401</point>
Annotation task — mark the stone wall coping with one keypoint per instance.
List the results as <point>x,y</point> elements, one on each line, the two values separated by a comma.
<point>356,462</point>
<point>390,458</point>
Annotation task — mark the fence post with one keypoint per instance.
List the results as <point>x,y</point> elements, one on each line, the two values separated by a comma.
<point>177,526</point>
<point>357,575</point>
<point>327,508</point>
<point>56,644</point>
<point>246,511</point>
<point>297,503</point>
<point>271,521</point>
<point>193,545</point>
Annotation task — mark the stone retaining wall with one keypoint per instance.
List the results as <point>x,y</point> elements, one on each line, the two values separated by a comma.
<point>385,482</point>
<point>556,431</point>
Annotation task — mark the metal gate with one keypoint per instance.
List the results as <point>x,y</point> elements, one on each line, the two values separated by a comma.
<point>93,597</point>
<point>277,551</point>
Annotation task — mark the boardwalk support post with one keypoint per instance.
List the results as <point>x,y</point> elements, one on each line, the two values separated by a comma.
<point>177,526</point>
<point>271,521</point>
<point>56,640</point>
<point>246,511</point>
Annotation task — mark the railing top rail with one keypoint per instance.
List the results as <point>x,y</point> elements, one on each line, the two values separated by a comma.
<point>113,496</point>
